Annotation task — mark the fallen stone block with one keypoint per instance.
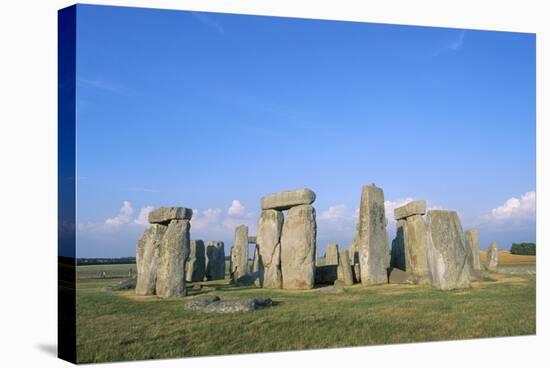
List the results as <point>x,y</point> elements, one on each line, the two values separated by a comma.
<point>200,302</point>
<point>128,284</point>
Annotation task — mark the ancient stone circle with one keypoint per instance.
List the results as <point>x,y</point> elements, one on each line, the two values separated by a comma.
<point>430,247</point>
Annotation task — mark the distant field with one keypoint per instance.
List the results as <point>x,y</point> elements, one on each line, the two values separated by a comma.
<point>111,271</point>
<point>114,326</point>
<point>505,258</point>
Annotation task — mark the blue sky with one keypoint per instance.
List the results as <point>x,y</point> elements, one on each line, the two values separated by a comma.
<point>213,111</point>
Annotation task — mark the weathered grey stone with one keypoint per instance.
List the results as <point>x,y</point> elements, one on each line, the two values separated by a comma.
<point>448,255</point>
<point>256,262</point>
<point>374,255</point>
<point>199,302</point>
<point>345,274</point>
<point>251,240</point>
<point>263,302</point>
<point>285,200</point>
<point>231,306</point>
<point>326,274</point>
<point>298,239</point>
<point>268,241</point>
<point>215,260</point>
<point>356,269</point>
<point>331,255</point>
<point>195,266</point>
<point>147,256</point>
<point>397,276</point>
<point>415,235</point>
<point>127,284</point>
<point>251,278</point>
<point>410,209</point>
<point>492,257</point>
<point>353,247</point>
<point>213,304</point>
<point>167,214</point>
<point>173,252</point>
<point>472,241</point>
<point>409,248</point>
<point>239,253</point>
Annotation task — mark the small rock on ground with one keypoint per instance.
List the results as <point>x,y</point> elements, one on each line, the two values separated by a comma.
<point>213,304</point>
<point>123,285</point>
<point>200,302</point>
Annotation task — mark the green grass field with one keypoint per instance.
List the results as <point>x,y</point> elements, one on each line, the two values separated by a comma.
<point>114,326</point>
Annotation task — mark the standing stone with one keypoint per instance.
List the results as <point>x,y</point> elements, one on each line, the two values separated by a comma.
<point>472,241</point>
<point>215,260</point>
<point>492,257</point>
<point>409,248</point>
<point>268,241</point>
<point>173,252</point>
<point>147,254</point>
<point>298,248</point>
<point>196,263</point>
<point>374,256</point>
<point>354,255</point>
<point>353,247</point>
<point>448,255</point>
<point>415,237</point>
<point>331,255</point>
<point>256,264</point>
<point>356,268</point>
<point>287,199</point>
<point>239,253</point>
<point>344,271</point>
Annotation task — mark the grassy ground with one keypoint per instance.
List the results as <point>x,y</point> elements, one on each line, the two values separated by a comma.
<point>113,326</point>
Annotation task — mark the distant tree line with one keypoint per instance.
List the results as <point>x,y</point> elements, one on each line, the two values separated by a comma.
<point>527,249</point>
<point>102,261</point>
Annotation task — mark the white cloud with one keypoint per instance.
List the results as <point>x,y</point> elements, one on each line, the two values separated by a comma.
<point>143,217</point>
<point>103,84</point>
<point>124,215</point>
<point>454,45</point>
<point>214,223</point>
<point>208,21</point>
<point>336,222</point>
<point>333,213</point>
<point>236,208</point>
<point>457,44</point>
<point>205,219</point>
<point>523,208</point>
